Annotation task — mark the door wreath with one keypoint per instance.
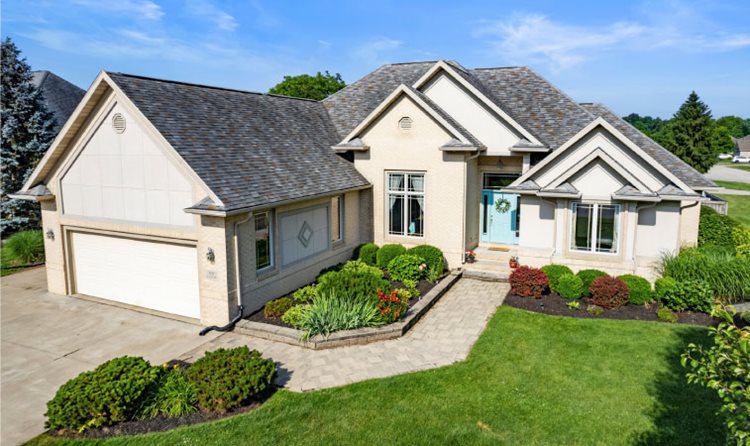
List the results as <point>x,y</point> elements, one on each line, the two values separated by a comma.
<point>502,205</point>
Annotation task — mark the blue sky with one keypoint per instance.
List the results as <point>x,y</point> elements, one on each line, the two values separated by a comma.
<point>635,56</point>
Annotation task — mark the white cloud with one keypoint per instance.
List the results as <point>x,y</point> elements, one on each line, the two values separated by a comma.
<point>141,8</point>
<point>204,8</point>
<point>534,38</point>
<point>374,51</point>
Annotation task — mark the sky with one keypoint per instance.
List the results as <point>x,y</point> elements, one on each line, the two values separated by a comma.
<point>634,56</point>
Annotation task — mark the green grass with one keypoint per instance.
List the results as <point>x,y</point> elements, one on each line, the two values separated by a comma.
<point>740,166</point>
<point>737,185</point>
<point>530,379</point>
<point>739,207</point>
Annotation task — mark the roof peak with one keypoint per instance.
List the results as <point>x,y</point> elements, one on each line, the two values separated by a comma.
<point>212,87</point>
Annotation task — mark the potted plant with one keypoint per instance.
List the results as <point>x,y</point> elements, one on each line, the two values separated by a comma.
<point>513,262</point>
<point>470,256</point>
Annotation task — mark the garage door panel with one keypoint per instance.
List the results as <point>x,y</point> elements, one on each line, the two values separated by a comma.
<point>155,275</point>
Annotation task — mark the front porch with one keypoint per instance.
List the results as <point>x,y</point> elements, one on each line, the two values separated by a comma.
<point>492,262</point>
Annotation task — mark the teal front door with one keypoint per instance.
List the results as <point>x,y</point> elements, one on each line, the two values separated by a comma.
<point>500,217</point>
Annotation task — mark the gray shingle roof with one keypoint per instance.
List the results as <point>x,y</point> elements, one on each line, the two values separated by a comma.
<point>60,96</point>
<point>679,168</point>
<point>250,149</point>
<point>742,144</point>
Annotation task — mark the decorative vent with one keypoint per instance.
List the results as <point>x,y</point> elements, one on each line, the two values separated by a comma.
<point>305,234</point>
<point>118,122</point>
<point>405,123</point>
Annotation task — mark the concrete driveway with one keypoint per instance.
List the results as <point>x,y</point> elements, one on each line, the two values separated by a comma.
<point>726,173</point>
<point>46,339</point>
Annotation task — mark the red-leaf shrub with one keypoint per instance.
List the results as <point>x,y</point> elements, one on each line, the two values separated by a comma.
<point>609,292</point>
<point>526,281</point>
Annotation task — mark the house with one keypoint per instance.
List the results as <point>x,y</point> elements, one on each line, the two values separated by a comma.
<point>59,95</point>
<point>188,199</point>
<point>742,146</point>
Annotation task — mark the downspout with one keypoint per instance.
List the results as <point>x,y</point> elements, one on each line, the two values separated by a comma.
<point>237,282</point>
<point>466,194</point>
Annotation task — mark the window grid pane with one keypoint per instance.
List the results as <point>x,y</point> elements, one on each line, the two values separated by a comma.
<point>595,227</point>
<point>262,241</point>
<point>336,219</point>
<point>607,231</point>
<point>406,204</point>
<point>582,221</point>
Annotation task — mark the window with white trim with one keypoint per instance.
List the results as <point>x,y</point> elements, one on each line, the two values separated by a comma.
<point>263,241</point>
<point>405,195</point>
<point>595,227</point>
<point>337,218</point>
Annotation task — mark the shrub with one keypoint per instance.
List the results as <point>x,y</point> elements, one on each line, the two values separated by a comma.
<point>554,272</point>
<point>526,281</point>
<point>305,294</point>
<point>407,267</point>
<point>666,315</point>
<point>587,277</point>
<point>24,248</point>
<point>355,279</point>
<point>433,257</point>
<point>388,253</point>
<point>174,396</point>
<point>228,378</point>
<point>109,394</point>
<point>368,253</point>
<point>719,267</point>
<point>725,368</point>
<point>569,286</point>
<point>296,315</point>
<point>404,294</point>
<point>391,306</point>
<point>740,236</point>
<point>328,269</point>
<point>664,287</point>
<point>594,310</point>
<point>640,289</point>
<point>715,229</point>
<point>411,287</point>
<point>742,250</point>
<point>689,295</point>
<point>609,292</point>
<point>276,308</point>
<point>331,312</point>
<point>573,305</point>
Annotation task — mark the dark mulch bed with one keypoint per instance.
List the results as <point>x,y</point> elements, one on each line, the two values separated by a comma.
<point>556,305</point>
<point>423,286</point>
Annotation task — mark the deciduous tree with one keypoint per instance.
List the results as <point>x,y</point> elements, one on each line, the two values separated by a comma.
<point>316,87</point>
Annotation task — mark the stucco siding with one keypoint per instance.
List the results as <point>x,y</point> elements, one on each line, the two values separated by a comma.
<point>473,199</point>
<point>417,150</point>
<point>537,229</point>
<point>689,222</point>
<point>658,230</point>
<point>597,180</point>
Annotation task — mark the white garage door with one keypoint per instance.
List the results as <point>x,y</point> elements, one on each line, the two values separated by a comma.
<point>160,276</point>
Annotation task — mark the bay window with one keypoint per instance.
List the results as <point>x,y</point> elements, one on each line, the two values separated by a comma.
<point>405,194</point>
<point>595,227</point>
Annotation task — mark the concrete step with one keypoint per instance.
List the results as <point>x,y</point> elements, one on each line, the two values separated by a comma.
<point>490,270</point>
<point>488,276</point>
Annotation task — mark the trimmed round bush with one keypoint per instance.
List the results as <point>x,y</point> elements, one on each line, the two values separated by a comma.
<point>609,292</point>
<point>109,394</point>
<point>356,279</point>
<point>432,256</point>
<point>388,253</point>
<point>640,289</point>
<point>587,277</point>
<point>570,286</point>
<point>554,272</point>
<point>526,281</point>
<point>228,378</point>
<point>407,267</point>
<point>24,247</point>
<point>368,253</point>
<point>276,308</point>
<point>664,287</point>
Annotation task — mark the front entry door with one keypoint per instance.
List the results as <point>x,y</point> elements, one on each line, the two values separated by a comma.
<point>499,217</point>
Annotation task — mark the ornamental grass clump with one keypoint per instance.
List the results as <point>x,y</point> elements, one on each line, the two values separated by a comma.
<point>526,281</point>
<point>331,312</point>
<point>24,248</point>
<point>609,292</point>
<point>174,396</point>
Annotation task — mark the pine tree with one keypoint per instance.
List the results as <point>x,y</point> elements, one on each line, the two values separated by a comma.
<point>692,129</point>
<point>26,135</point>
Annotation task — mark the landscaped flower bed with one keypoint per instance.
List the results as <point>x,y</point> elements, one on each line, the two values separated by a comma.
<point>128,395</point>
<point>554,289</point>
<point>376,289</point>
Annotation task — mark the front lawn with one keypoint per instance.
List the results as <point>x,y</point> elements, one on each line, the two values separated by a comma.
<point>530,379</point>
<point>739,207</point>
<point>736,185</point>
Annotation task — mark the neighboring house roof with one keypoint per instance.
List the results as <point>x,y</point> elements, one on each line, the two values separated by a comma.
<point>60,96</point>
<point>743,144</point>
<point>250,149</point>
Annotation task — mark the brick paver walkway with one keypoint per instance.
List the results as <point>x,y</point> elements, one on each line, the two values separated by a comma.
<point>443,336</point>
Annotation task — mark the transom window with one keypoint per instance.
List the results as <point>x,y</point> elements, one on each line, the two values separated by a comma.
<point>405,193</point>
<point>495,181</point>
<point>263,241</point>
<point>595,227</point>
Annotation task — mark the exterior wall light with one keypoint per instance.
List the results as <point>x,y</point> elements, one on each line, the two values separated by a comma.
<point>50,234</point>
<point>210,256</point>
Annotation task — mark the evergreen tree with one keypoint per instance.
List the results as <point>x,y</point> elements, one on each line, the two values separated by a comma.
<point>692,129</point>
<point>26,135</point>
